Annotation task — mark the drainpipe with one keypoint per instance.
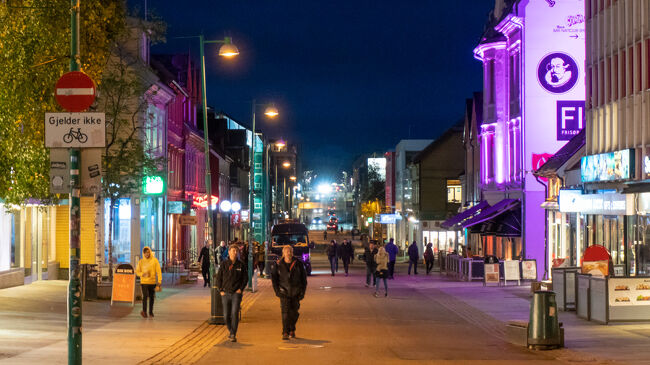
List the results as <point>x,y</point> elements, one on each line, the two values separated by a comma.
<point>545,229</point>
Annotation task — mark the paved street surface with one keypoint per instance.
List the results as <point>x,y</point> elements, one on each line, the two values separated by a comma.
<point>424,320</point>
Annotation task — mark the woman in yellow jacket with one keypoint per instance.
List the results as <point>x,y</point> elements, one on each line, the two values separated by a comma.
<point>148,270</point>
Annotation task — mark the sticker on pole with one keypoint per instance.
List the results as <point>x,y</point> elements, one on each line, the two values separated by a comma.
<point>75,130</point>
<point>75,91</point>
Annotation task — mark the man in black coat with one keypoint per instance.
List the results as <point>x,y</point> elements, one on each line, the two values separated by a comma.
<point>414,256</point>
<point>371,265</point>
<point>231,280</point>
<point>346,253</point>
<point>289,279</point>
<point>204,259</point>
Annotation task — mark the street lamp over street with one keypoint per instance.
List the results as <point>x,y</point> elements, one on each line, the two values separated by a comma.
<point>271,112</point>
<point>280,144</point>
<point>286,164</point>
<point>292,178</point>
<point>228,49</point>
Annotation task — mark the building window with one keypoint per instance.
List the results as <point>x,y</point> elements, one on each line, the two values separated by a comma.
<point>514,150</point>
<point>454,191</point>
<point>487,153</point>
<point>514,85</point>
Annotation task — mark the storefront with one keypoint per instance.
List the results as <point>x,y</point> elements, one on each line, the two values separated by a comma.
<point>442,240</point>
<point>10,238</point>
<point>496,230</point>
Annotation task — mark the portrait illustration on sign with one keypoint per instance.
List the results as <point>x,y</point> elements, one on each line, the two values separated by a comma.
<point>557,72</point>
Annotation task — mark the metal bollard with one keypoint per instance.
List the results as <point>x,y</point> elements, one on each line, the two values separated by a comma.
<point>544,327</point>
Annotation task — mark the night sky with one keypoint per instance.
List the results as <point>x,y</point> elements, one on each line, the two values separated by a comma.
<point>349,77</point>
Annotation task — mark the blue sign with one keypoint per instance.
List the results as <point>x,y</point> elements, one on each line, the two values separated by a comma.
<point>387,218</point>
<point>174,207</point>
<point>570,118</point>
<point>618,165</point>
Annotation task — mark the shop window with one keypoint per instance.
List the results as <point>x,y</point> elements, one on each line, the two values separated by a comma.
<point>121,230</point>
<point>454,191</point>
<point>151,225</point>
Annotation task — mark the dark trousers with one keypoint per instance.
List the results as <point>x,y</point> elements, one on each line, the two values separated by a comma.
<point>414,264</point>
<point>346,263</point>
<point>231,303</point>
<point>206,275</point>
<point>148,295</point>
<point>290,306</point>
<point>337,263</point>
<point>260,266</point>
<point>333,261</point>
<point>370,273</point>
<point>391,269</point>
<point>429,266</point>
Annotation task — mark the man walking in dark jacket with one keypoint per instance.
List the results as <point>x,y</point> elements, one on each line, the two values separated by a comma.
<point>414,256</point>
<point>231,280</point>
<point>371,265</point>
<point>204,259</point>
<point>346,253</point>
<point>332,252</point>
<point>289,279</point>
<point>391,249</point>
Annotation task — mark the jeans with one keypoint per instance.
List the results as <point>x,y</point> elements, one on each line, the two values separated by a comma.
<point>391,269</point>
<point>148,293</point>
<point>231,303</point>
<point>333,262</point>
<point>413,263</point>
<point>429,266</point>
<point>385,283</point>
<point>346,263</point>
<point>370,272</point>
<point>290,306</point>
<point>337,263</point>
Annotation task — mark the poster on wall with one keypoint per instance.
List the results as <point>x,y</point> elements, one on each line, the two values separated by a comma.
<point>595,268</point>
<point>629,291</point>
<point>529,270</point>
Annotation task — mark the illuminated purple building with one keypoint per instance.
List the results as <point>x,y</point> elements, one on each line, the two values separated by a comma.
<point>533,54</point>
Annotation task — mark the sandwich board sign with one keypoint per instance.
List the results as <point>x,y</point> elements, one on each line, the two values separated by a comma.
<point>123,284</point>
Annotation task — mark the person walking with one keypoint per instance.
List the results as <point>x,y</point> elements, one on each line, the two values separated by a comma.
<point>414,256</point>
<point>392,250</point>
<point>231,280</point>
<point>261,257</point>
<point>428,257</point>
<point>332,249</point>
<point>204,259</point>
<point>289,279</point>
<point>148,269</point>
<point>222,252</point>
<point>346,253</point>
<point>381,272</point>
<point>371,265</point>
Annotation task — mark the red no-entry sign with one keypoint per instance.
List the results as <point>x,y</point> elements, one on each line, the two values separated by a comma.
<point>75,91</point>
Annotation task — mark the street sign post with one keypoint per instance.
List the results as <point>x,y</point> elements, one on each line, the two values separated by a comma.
<point>75,91</point>
<point>75,130</point>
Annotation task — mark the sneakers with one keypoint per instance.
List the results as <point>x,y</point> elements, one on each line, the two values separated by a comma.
<point>143,314</point>
<point>232,338</point>
<point>285,337</point>
<point>386,294</point>
<point>375,295</point>
<point>292,334</point>
<point>367,285</point>
<point>151,315</point>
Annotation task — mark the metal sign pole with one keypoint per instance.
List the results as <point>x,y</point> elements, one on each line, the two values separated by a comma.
<point>74,285</point>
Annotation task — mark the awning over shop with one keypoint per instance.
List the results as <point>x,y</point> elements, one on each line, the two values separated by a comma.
<point>507,224</point>
<point>458,218</point>
<point>492,212</point>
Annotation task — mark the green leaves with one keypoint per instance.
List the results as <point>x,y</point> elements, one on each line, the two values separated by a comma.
<point>34,53</point>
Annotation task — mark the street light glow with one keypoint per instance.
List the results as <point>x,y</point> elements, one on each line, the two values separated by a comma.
<point>324,189</point>
<point>228,50</point>
<point>280,144</point>
<point>271,112</point>
<point>225,206</point>
<point>292,178</point>
<point>286,164</point>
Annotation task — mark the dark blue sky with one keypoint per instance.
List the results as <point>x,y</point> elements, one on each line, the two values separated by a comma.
<point>349,77</point>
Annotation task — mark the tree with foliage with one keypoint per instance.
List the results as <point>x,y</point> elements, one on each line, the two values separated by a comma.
<point>34,53</point>
<point>124,95</point>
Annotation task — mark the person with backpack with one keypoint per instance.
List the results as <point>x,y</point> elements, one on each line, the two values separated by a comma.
<point>428,257</point>
<point>231,281</point>
<point>392,250</point>
<point>289,279</point>
<point>204,259</point>
<point>332,253</point>
<point>414,256</point>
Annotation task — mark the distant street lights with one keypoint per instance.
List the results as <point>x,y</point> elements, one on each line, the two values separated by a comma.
<point>270,111</point>
<point>228,50</point>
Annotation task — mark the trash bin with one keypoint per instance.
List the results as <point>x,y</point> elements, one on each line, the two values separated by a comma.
<point>544,327</point>
<point>89,276</point>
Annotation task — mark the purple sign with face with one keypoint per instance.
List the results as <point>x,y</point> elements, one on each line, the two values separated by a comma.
<point>557,72</point>
<point>570,118</point>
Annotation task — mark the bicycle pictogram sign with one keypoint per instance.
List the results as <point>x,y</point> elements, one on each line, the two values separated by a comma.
<point>78,135</point>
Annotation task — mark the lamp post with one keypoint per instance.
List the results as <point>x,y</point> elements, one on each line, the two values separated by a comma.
<point>227,50</point>
<point>271,112</point>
